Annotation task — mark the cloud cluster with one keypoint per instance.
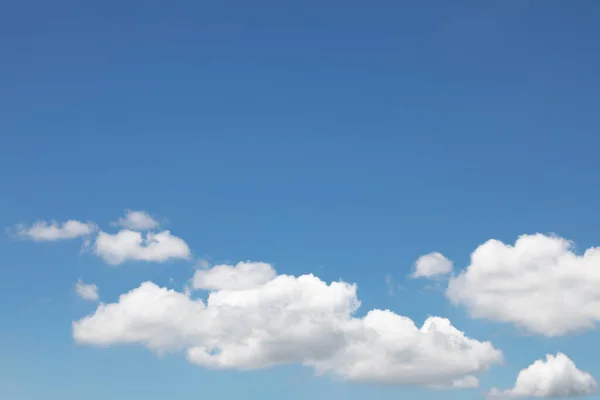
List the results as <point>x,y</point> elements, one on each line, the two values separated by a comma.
<point>556,377</point>
<point>249,317</point>
<point>53,231</point>
<point>133,243</point>
<point>253,318</point>
<point>539,283</point>
<point>86,291</point>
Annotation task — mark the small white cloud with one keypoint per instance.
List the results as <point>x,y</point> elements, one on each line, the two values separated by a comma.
<point>137,220</point>
<point>556,377</point>
<point>86,291</point>
<point>128,245</point>
<point>244,275</point>
<point>432,265</point>
<point>538,283</point>
<point>52,231</point>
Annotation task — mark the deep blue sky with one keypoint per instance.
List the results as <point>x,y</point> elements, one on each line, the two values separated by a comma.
<point>340,138</point>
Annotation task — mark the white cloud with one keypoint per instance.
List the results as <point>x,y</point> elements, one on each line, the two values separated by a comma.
<point>556,377</point>
<point>86,291</point>
<point>432,265</point>
<point>539,284</point>
<point>53,231</point>
<point>244,275</point>
<point>128,245</point>
<point>137,220</point>
<point>288,320</point>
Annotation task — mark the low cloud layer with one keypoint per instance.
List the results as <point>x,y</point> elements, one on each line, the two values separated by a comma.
<point>556,377</point>
<point>253,318</point>
<point>43,231</point>
<point>539,283</point>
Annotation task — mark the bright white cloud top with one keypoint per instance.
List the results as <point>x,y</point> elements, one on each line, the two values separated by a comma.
<point>128,245</point>
<point>137,220</point>
<point>43,231</point>
<point>86,291</point>
<point>253,318</point>
<point>244,275</point>
<point>538,283</point>
<point>556,377</point>
<point>432,265</point>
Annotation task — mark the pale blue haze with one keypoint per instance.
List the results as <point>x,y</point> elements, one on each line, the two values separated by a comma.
<point>343,138</point>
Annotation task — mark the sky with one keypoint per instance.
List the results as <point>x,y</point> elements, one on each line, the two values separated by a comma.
<point>325,200</point>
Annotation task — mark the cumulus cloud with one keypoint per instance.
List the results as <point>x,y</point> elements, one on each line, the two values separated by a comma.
<point>86,291</point>
<point>128,245</point>
<point>244,275</point>
<point>253,318</point>
<point>556,377</point>
<point>137,220</point>
<point>432,265</point>
<point>538,283</point>
<point>53,231</point>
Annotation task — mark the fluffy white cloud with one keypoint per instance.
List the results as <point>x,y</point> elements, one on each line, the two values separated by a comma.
<point>137,220</point>
<point>539,284</point>
<point>244,275</point>
<point>86,291</point>
<point>258,320</point>
<point>556,377</point>
<point>53,231</point>
<point>432,265</point>
<point>128,245</point>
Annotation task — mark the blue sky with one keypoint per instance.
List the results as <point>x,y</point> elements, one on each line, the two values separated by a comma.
<point>342,139</point>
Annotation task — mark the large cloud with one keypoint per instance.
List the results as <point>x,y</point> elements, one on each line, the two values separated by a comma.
<point>128,245</point>
<point>52,231</point>
<point>250,323</point>
<point>556,377</point>
<point>539,284</point>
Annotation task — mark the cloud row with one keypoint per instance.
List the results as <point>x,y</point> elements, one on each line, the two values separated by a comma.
<point>135,242</point>
<point>254,318</point>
